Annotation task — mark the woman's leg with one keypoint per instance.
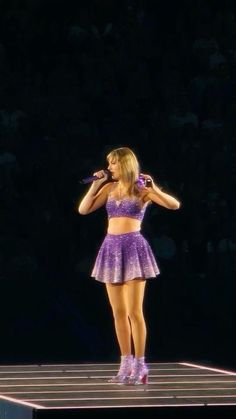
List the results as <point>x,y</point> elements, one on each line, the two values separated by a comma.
<point>117,297</point>
<point>134,295</point>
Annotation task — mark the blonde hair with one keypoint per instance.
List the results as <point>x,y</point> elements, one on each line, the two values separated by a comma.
<point>129,167</point>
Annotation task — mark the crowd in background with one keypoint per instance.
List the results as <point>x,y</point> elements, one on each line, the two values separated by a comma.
<point>79,78</point>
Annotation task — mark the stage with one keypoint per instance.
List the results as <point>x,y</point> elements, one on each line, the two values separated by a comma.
<point>81,390</point>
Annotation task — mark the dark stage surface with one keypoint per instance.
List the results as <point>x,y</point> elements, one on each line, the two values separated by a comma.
<point>79,390</point>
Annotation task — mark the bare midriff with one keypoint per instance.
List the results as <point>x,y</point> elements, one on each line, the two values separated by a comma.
<point>123,225</point>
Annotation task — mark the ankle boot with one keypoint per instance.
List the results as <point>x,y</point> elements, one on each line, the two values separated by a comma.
<point>124,370</point>
<point>139,373</point>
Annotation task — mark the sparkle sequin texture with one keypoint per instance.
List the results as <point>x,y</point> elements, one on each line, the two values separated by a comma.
<point>123,257</point>
<point>127,207</point>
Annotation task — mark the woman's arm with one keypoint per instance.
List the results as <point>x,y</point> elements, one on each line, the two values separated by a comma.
<point>96,195</point>
<point>155,194</point>
<point>94,198</point>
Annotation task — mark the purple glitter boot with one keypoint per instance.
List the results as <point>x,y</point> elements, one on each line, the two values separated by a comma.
<point>139,374</point>
<point>124,370</point>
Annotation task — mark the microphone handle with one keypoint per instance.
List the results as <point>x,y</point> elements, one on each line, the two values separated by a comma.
<point>90,179</point>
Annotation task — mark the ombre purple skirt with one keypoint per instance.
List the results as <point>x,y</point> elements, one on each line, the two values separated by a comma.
<point>123,257</point>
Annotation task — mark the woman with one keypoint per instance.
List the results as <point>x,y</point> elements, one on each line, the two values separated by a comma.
<point>125,259</point>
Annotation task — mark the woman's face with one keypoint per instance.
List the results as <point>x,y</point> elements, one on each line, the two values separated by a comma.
<point>114,168</point>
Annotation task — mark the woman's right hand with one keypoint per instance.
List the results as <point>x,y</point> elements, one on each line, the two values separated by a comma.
<point>102,176</point>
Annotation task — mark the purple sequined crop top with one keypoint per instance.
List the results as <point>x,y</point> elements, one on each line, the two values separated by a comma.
<point>128,207</point>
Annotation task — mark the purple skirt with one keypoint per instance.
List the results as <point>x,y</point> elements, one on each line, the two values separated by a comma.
<point>123,257</point>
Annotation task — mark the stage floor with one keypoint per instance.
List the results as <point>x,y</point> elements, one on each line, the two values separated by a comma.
<point>84,386</point>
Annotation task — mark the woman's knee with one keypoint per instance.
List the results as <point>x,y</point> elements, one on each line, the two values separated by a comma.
<point>119,313</point>
<point>136,315</point>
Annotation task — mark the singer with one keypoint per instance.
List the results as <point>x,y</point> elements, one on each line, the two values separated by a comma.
<point>125,259</point>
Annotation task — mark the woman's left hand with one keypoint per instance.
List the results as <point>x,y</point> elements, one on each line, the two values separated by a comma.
<point>148,180</point>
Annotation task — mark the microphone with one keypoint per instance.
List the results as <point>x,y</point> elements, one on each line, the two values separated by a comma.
<point>90,179</point>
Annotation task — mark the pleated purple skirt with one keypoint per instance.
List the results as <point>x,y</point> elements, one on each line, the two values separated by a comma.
<point>123,257</point>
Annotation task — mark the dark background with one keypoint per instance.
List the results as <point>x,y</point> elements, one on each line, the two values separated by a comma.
<point>78,78</point>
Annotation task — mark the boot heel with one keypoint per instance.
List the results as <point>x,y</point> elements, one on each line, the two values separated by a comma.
<point>144,379</point>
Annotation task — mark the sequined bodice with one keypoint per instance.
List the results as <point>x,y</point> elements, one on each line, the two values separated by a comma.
<point>127,207</point>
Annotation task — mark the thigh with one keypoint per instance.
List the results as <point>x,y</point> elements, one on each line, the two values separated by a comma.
<point>134,294</point>
<point>116,295</point>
